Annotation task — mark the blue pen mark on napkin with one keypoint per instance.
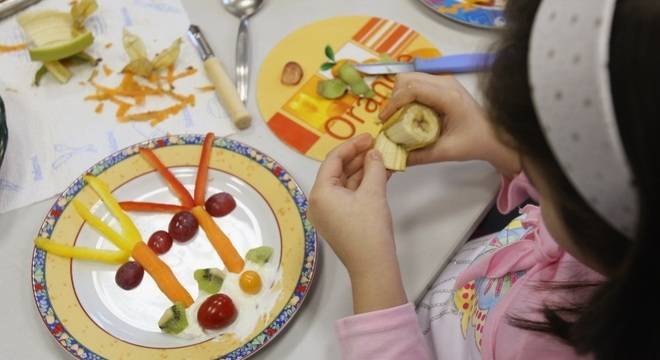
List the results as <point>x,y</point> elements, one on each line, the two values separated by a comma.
<point>68,152</point>
<point>154,133</point>
<point>37,175</point>
<point>187,118</point>
<point>97,25</point>
<point>158,6</point>
<point>112,141</point>
<point>128,21</point>
<point>6,185</point>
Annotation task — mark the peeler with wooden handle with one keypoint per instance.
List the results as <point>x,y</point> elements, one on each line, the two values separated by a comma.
<point>224,86</point>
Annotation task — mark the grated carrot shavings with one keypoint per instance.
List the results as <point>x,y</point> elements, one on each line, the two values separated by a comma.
<point>131,92</point>
<point>206,88</point>
<point>108,45</point>
<point>106,70</point>
<point>11,48</point>
<point>99,108</point>
<point>188,72</point>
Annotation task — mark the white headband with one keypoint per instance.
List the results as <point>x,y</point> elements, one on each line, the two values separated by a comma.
<point>569,74</point>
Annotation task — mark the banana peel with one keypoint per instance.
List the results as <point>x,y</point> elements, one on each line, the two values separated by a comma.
<point>62,50</point>
<point>57,36</point>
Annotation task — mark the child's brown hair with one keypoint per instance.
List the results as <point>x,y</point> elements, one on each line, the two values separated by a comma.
<point>619,319</point>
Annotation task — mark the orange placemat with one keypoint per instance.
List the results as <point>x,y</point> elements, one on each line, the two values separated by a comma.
<point>311,124</point>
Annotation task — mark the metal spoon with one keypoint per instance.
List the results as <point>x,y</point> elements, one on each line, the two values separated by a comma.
<point>242,9</point>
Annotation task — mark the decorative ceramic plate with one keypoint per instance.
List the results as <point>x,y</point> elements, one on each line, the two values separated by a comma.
<point>92,318</point>
<point>483,14</point>
<point>311,124</point>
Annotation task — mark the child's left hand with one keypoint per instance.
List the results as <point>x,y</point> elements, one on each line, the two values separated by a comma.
<point>348,206</point>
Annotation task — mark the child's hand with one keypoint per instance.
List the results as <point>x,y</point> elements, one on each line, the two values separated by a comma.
<point>348,207</point>
<point>466,131</point>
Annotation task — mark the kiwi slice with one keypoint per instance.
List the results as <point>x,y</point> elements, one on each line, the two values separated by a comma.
<point>353,78</point>
<point>332,88</point>
<point>209,280</point>
<point>174,319</point>
<point>260,255</point>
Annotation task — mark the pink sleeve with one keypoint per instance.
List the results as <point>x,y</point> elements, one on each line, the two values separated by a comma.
<point>385,334</point>
<point>514,191</point>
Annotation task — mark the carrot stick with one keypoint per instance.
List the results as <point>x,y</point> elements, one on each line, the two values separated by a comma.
<point>162,274</point>
<point>138,206</point>
<point>223,246</point>
<point>174,184</point>
<point>203,170</point>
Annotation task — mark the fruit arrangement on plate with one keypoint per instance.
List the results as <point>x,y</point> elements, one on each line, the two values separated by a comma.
<point>245,283</point>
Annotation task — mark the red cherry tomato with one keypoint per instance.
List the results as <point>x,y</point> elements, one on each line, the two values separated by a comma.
<point>216,312</point>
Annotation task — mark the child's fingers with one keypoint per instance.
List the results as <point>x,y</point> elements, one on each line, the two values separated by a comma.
<point>354,165</point>
<point>436,97</point>
<point>354,181</point>
<point>332,168</point>
<point>375,175</point>
<point>422,156</point>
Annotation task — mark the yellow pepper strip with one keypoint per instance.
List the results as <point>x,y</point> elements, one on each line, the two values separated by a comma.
<point>81,253</point>
<point>130,231</point>
<point>102,227</point>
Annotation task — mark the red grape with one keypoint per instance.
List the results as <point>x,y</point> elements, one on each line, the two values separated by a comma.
<point>129,275</point>
<point>216,312</point>
<point>160,242</point>
<point>220,204</point>
<point>183,226</point>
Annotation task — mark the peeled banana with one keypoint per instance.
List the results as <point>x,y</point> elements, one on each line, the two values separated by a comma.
<point>394,155</point>
<point>412,127</point>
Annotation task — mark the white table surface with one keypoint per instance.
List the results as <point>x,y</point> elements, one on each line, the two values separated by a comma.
<point>435,207</point>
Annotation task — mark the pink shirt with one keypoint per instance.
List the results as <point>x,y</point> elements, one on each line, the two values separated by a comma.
<point>464,316</point>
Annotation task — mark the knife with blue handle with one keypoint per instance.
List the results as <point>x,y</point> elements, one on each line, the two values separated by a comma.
<point>450,64</point>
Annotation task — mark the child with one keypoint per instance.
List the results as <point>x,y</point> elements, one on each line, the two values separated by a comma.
<point>572,122</point>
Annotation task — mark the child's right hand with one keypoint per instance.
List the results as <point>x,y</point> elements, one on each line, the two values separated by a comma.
<point>466,131</point>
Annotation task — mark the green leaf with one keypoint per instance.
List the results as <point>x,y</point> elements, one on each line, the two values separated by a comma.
<point>327,66</point>
<point>329,53</point>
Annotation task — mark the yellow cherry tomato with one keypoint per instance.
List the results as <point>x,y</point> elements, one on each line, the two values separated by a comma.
<point>250,282</point>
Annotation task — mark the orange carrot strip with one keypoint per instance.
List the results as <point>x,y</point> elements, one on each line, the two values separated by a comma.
<point>188,72</point>
<point>206,88</point>
<point>203,170</point>
<point>170,74</point>
<point>223,246</point>
<point>174,184</point>
<point>139,206</point>
<point>106,70</point>
<point>10,48</point>
<point>162,274</point>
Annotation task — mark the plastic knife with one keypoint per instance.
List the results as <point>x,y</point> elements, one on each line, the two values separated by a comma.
<point>450,64</point>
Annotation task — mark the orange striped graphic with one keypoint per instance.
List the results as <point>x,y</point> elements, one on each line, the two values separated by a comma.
<point>374,32</point>
<point>292,133</point>
<point>392,39</point>
<point>366,28</point>
<point>390,26</point>
<point>405,43</point>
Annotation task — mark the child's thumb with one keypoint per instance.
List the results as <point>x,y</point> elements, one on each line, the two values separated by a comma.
<point>375,174</point>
